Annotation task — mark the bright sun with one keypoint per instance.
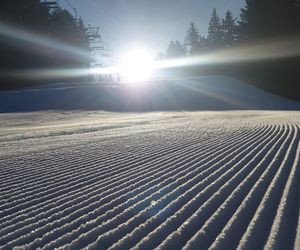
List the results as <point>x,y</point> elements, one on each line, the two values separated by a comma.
<point>136,66</point>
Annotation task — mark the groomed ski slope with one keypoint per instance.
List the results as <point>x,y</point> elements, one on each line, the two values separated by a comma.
<point>207,93</point>
<point>165,180</point>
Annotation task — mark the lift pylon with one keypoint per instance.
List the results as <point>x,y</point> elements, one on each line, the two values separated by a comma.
<point>51,4</point>
<point>92,33</point>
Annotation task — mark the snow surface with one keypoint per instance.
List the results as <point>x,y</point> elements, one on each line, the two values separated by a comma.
<point>198,93</point>
<point>166,180</point>
<point>81,176</point>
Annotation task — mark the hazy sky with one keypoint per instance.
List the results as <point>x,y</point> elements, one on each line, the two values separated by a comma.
<point>149,23</point>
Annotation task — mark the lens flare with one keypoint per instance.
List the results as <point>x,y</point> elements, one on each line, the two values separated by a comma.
<point>136,66</point>
<point>21,38</point>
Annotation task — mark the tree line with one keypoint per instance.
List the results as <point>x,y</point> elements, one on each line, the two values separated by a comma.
<point>56,25</point>
<point>259,20</point>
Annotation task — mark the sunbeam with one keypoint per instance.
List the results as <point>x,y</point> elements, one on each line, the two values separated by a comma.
<point>18,37</point>
<point>138,65</point>
<point>248,53</point>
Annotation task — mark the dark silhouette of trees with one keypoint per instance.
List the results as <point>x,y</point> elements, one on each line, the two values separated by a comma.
<point>268,21</point>
<point>215,31</point>
<point>34,17</point>
<point>261,19</point>
<point>175,50</point>
<point>29,14</point>
<point>221,33</point>
<point>229,30</point>
<point>192,39</point>
<point>67,29</point>
<point>204,45</point>
<point>261,22</point>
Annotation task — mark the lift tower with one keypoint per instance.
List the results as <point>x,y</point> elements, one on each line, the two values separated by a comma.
<point>51,4</point>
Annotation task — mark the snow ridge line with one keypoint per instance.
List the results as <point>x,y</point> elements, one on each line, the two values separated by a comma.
<point>193,183</point>
<point>221,180</point>
<point>181,217</point>
<point>42,167</point>
<point>234,229</point>
<point>148,198</point>
<point>265,213</point>
<point>211,228</point>
<point>156,167</point>
<point>92,169</point>
<point>285,222</point>
<point>69,195</point>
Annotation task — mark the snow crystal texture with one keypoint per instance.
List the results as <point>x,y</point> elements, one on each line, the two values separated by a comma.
<point>165,180</point>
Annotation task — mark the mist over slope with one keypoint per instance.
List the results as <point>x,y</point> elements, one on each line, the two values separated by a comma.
<point>197,93</point>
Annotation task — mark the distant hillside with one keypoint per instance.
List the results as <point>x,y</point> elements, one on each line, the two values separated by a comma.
<point>197,93</point>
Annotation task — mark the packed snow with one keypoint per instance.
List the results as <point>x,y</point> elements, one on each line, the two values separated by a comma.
<point>76,175</point>
<point>198,93</point>
<point>166,180</point>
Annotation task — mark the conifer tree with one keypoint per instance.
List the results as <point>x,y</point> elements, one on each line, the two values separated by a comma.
<point>269,18</point>
<point>192,39</point>
<point>229,30</point>
<point>34,16</point>
<point>65,27</point>
<point>215,30</point>
<point>203,44</point>
<point>175,50</point>
<point>180,50</point>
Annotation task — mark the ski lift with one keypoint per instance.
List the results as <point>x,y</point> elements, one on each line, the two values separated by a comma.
<point>92,33</point>
<point>51,4</point>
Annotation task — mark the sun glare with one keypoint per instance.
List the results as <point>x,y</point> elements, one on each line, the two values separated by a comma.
<point>136,66</point>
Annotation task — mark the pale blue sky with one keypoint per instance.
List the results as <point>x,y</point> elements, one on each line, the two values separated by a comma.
<point>150,23</point>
